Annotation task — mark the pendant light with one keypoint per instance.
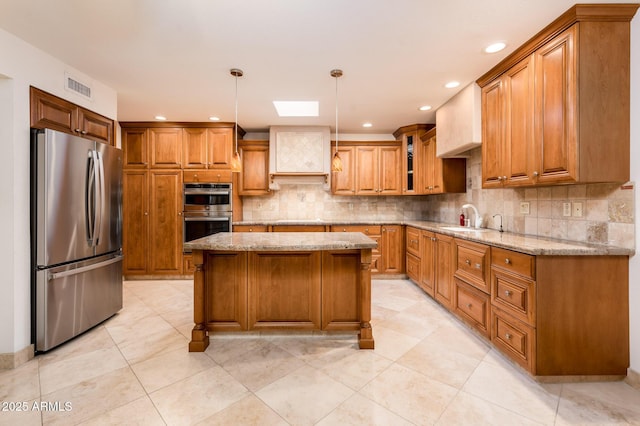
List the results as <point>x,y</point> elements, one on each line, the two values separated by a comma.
<point>336,162</point>
<point>236,161</point>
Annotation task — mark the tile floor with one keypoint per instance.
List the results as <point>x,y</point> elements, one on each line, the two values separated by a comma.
<point>426,369</point>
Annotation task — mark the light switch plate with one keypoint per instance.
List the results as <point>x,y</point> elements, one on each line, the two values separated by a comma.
<point>566,209</point>
<point>577,209</point>
<point>524,207</point>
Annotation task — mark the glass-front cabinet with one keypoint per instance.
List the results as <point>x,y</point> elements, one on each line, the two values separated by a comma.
<point>410,137</point>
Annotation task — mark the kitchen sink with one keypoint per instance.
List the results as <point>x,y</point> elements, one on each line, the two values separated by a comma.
<point>463,229</point>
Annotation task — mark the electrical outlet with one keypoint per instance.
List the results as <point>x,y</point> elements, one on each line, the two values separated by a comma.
<point>577,209</point>
<point>524,207</point>
<point>566,209</point>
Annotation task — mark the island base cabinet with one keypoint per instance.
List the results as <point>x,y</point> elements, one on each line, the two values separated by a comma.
<point>226,307</point>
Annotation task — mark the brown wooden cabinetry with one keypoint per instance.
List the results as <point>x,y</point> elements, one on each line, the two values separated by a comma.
<point>439,175</point>
<point>254,177</point>
<point>411,166</point>
<point>344,182</point>
<point>546,116</point>
<point>392,248</point>
<point>56,113</point>
<point>378,170</point>
<point>135,221</point>
<point>250,228</point>
<point>207,148</point>
<point>472,302</point>
<point>445,257</point>
<point>413,253</point>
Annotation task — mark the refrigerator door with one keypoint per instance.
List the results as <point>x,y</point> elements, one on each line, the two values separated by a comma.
<point>65,198</point>
<point>72,298</point>
<point>108,232</point>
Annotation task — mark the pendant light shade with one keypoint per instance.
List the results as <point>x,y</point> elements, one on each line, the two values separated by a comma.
<point>236,161</point>
<point>336,162</point>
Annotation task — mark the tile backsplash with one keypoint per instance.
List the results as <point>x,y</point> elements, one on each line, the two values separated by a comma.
<point>607,209</point>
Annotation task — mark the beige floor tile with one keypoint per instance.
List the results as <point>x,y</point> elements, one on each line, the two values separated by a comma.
<point>124,333</point>
<point>93,397</point>
<point>361,411</point>
<point>140,412</point>
<point>508,388</point>
<point>80,368</point>
<point>168,368</point>
<point>409,325</point>
<point>262,365</point>
<point>410,394</point>
<point>249,411</point>
<point>96,339</point>
<point>599,403</point>
<point>197,397</point>
<point>391,344</point>
<point>20,384</point>
<point>223,348</point>
<point>357,369</point>
<point>153,344</point>
<point>305,396</point>
<point>20,413</point>
<point>467,409</point>
<point>317,350</point>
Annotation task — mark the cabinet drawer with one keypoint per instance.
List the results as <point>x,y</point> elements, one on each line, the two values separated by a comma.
<point>413,241</point>
<point>513,338</point>
<point>214,176</point>
<point>365,229</point>
<point>250,228</point>
<point>518,263</point>
<point>473,264</point>
<point>514,294</point>
<point>413,267</point>
<point>298,228</point>
<point>472,306</point>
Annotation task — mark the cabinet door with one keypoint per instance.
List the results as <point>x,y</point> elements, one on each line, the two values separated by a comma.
<point>95,126</point>
<point>367,170</point>
<point>519,155</point>
<point>135,148</point>
<point>556,100</point>
<point>392,249</point>
<point>194,148</point>
<point>492,134</point>
<point>220,148</point>
<point>135,221</point>
<point>431,182</point>
<point>344,182</point>
<point>165,238</point>
<point>52,112</point>
<point>410,142</point>
<point>254,177</point>
<point>166,147</point>
<point>445,264</point>
<point>427,262</point>
<point>390,176</point>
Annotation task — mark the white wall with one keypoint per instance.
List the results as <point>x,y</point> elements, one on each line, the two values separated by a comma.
<point>634,268</point>
<point>23,65</point>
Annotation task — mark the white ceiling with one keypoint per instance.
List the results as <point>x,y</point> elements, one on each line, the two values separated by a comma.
<point>172,57</point>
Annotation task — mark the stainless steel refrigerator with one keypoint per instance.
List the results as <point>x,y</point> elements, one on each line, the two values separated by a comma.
<point>76,235</point>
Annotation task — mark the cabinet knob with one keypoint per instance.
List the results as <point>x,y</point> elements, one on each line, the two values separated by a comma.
<point>508,293</point>
<point>535,174</point>
<point>434,239</point>
<point>507,336</point>
<point>507,261</point>
<point>478,266</point>
<point>469,305</point>
<point>76,130</point>
<point>468,262</point>
<point>146,213</point>
<point>179,213</point>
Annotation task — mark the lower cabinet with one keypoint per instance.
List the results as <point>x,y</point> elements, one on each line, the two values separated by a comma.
<point>388,258</point>
<point>472,306</point>
<point>444,261</point>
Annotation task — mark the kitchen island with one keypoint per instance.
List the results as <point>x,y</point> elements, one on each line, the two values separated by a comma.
<point>273,281</point>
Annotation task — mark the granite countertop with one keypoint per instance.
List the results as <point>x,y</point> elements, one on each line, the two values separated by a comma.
<point>538,246</point>
<point>282,241</point>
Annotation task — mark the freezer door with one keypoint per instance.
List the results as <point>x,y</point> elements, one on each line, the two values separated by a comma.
<point>72,298</point>
<point>109,230</point>
<point>65,192</point>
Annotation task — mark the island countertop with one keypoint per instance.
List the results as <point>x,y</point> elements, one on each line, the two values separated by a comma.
<point>282,241</point>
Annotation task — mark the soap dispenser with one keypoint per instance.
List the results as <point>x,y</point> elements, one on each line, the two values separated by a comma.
<point>461,218</point>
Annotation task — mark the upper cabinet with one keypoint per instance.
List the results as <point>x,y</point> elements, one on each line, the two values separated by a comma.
<point>208,148</point>
<point>56,113</point>
<point>254,177</point>
<point>410,138</point>
<point>439,175</point>
<point>556,110</point>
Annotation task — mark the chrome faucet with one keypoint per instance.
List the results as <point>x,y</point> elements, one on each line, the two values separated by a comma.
<point>498,214</point>
<point>477,218</point>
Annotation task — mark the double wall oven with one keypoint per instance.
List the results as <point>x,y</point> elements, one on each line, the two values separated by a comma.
<point>207,209</point>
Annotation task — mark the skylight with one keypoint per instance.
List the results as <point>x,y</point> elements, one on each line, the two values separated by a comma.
<point>297,108</point>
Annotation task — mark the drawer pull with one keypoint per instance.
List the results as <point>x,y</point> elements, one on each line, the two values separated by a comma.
<point>507,336</point>
<point>508,293</point>
<point>434,239</point>
<point>469,305</point>
<point>478,266</point>
<point>468,262</point>
<point>507,261</point>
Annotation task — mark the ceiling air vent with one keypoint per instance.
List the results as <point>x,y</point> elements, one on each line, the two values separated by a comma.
<point>72,84</point>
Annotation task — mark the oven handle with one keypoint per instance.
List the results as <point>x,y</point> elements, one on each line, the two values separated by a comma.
<point>196,192</point>
<point>206,219</point>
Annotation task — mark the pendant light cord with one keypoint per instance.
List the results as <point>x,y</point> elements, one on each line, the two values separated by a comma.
<point>236,127</point>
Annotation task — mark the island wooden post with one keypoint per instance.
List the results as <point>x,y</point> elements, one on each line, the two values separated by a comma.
<point>199,334</point>
<point>365,338</point>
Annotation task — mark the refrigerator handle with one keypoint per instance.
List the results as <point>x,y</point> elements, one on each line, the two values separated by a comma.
<point>82,269</point>
<point>100,187</point>
<point>89,198</point>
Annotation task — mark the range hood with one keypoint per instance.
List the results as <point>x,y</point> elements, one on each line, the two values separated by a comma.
<point>299,155</point>
<point>458,123</point>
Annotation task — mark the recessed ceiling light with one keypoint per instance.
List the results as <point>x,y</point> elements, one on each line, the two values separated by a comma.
<point>452,84</point>
<point>214,118</point>
<point>425,108</point>
<point>160,117</point>
<point>495,47</point>
<point>296,108</point>
<point>367,125</point>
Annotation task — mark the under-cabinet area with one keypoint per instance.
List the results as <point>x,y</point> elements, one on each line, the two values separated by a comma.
<point>552,314</point>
